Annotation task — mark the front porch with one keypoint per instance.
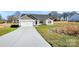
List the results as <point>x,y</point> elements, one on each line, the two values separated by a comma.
<point>40,22</point>
<point>44,22</point>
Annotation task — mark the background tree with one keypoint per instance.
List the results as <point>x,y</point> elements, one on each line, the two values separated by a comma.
<point>73,12</point>
<point>17,14</point>
<point>0,17</point>
<point>65,15</point>
<point>12,19</point>
<point>55,15</point>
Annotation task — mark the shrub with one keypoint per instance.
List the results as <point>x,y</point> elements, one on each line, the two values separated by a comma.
<point>68,30</point>
<point>14,26</point>
<point>71,30</point>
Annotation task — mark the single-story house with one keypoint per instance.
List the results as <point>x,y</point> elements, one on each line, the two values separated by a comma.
<point>34,19</point>
<point>74,18</point>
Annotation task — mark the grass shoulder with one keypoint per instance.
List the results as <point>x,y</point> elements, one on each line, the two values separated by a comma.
<point>57,39</point>
<point>6,30</point>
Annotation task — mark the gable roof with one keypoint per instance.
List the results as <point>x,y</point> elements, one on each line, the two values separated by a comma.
<point>34,16</point>
<point>24,16</point>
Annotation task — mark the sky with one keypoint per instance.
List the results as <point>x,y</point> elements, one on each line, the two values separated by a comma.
<point>4,14</point>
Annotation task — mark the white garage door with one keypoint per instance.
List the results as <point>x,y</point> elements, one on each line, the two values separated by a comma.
<point>28,23</point>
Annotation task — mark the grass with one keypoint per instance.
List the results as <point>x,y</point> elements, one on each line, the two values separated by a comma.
<point>6,30</point>
<point>56,39</point>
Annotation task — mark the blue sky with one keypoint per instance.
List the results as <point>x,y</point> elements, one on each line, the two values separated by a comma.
<point>7,13</point>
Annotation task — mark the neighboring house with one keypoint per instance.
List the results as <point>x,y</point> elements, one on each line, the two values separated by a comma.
<point>34,19</point>
<point>74,18</point>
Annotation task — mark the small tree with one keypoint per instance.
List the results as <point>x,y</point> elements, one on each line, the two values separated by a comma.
<point>0,17</point>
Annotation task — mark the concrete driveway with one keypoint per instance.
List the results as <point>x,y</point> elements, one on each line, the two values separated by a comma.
<point>23,37</point>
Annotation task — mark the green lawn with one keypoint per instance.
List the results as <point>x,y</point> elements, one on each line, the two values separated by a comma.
<point>59,40</point>
<point>6,30</point>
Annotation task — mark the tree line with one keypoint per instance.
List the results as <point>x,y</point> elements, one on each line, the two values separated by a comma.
<point>65,15</point>
<point>56,16</point>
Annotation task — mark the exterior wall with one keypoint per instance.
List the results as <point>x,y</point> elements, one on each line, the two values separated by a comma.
<point>49,22</point>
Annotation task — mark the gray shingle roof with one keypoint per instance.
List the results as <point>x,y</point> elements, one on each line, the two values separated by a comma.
<point>34,16</point>
<point>40,16</point>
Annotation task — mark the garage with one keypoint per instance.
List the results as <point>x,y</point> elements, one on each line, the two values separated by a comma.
<point>24,23</point>
<point>25,20</point>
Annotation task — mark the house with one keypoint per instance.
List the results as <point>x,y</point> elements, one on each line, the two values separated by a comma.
<point>74,18</point>
<point>34,19</point>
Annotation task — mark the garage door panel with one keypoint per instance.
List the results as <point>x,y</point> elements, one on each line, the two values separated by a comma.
<point>26,24</point>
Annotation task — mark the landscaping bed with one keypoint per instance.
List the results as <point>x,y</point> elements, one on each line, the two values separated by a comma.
<point>61,34</point>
